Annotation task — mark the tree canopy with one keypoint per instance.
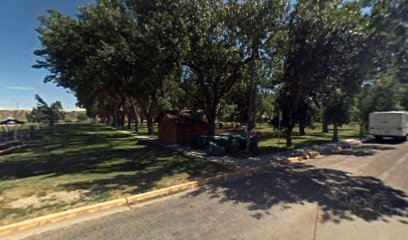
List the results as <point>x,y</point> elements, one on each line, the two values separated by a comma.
<point>233,60</point>
<point>46,113</point>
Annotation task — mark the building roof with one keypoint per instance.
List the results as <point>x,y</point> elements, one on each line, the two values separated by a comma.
<point>10,121</point>
<point>181,116</point>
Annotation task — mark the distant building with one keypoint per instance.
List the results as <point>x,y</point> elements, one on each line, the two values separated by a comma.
<point>11,121</point>
<point>10,126</point>
<point>178,127</point>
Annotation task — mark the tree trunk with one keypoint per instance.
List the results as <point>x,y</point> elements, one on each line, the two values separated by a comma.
<point>150,125</point>
<point>335,133</point>
<point>289,137</point>
<point>135,114</point>
<point>302,131</point>
<point>325,127</point>
<point>141,119</point>
<point>252,95</point>
<point>136,124</point>
<point>129,118</point>
<point>123,119</point>
<point>115,120</point>
<point>211,124</point>
<point>361,130</point>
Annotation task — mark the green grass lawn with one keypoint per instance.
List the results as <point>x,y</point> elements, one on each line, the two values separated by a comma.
<point>80,164</point>
<point>143,130</point>
<point>269,137</point>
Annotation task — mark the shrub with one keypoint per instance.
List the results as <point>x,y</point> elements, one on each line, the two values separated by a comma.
<point>199,142</point>
<point>214,149</point>
<point>82,117</point>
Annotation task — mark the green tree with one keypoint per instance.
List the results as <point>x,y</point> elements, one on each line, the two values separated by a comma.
<point>377,95</point>
<point>225,38</point>
<point>213,62</point>
<point>323,58</point>
<point>388,39</point>
<point>338,112</point>
<point>34,116</point>
<point>82,117</point>
<point>160,46</point>
<point>118,57</point>
<point>47,114</point>
<point>404,98</point>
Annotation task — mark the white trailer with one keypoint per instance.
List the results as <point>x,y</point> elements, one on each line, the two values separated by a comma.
<point>389,124</point>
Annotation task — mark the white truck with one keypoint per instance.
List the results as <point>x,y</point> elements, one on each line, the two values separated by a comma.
<point>389,124</point>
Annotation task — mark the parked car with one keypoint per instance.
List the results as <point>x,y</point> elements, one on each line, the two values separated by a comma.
<point>389,124</point>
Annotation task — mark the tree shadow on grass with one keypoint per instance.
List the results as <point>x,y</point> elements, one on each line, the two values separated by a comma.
<point>97,163</point>
<point>339,195</point>
<point>101,163</point>
<point>101,160</point>
<point>161,174</point>
<point>147,180</point>
<point>80,150</point>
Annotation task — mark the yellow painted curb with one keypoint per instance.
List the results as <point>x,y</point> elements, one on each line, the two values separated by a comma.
<point>55,217</point>
<point>312,155</point>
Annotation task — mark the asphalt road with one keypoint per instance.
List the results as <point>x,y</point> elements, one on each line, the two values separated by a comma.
<point>361,194</point>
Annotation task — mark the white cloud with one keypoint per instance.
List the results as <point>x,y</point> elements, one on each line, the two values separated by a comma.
<point>20,88</point>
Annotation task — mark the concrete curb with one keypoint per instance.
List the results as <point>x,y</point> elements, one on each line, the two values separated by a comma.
<point>314,153</point>
<point>143,197</point>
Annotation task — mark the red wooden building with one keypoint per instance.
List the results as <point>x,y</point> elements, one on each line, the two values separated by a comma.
<point>178,127</point>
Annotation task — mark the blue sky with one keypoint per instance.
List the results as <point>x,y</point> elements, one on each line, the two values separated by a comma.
<point>18,39</point>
